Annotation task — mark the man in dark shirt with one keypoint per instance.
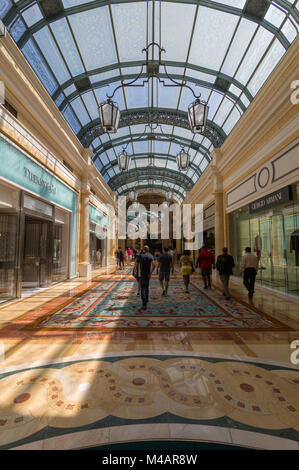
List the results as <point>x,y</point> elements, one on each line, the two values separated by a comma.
<point>146,265</point>
<point>225,264</point>
<point>165,263</point>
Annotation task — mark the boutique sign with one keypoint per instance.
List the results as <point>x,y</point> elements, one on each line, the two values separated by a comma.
<point>36,179</point>
<point>278,197</point>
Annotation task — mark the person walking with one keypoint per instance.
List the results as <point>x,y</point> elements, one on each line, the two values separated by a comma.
<point>249,269</point>
<point>205,261</point>
<point>186,268</point>
<point>121,258</point>
<point>157,255</point>
<point>165,263</point>
<point>146,266</point>
<point>224,265</point>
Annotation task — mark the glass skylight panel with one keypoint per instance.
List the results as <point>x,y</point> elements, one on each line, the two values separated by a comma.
<point>131,70</point>
<point>111,173</point>
<point>80,111</point>
<point>5,6</point>
<point>67,46</point>
<point>17,28</point>
<point>91,104</point>
<point>138,129</point>
<point>231,121</point>
<point>70,89</point>
<point>185,133</point>
<point>197,159</point>
<point>289,30</point>
<point>96,143</point>
<point>238,47</point>
<point>173,70</point>
<point>204,77</point>
<point>172,165</point>
<point>187,97</point>
<point>99,77</point>
<point>160,162</point>
<point>59,99</point>
<point>245,100</point>
<point>93,33</point>
<point>177,23</point>
<point>49,49</point>
<point>141,146</point>
<point>167,97</point>
<point>39,66</point>
<point>130,29</point>
<point>254,54</point>
<point>275,16</point>
<point>98,164</point>
<point>105,159</point>
<point>212,35</point>
<point>223,111</point>
<point>74,3</point>
<point>71,119</point>
<point>235,90</point>
<point>101,94</point>
<point>206,143</point>
<point>214,102</point>
<point>137,97</point>
<point>161,147</point>
<point>272,57</point>
<point>203,165</point>
<point>32,15</point>
<point>233,3</point>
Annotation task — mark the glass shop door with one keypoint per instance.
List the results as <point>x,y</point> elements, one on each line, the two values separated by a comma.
<point>37,259</point>
<point>9,229</point>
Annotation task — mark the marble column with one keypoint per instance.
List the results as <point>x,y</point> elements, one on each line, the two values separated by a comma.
<point>219,202</point>
<point>84,264</point>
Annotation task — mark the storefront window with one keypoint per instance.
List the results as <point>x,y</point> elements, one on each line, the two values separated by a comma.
<point>273,234</point>
<point>8,255</point>
<point>61,237</point>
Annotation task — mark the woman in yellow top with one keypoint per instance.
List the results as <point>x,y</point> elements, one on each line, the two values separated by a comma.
<point>186,268</point>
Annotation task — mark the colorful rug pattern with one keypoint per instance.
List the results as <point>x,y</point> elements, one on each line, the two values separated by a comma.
<point>114,305</point>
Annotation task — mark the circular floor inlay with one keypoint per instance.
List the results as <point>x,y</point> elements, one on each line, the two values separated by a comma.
<point>84,386</point>
<point>246,388</point>
<point>21,398</point>
<point>138,381</point>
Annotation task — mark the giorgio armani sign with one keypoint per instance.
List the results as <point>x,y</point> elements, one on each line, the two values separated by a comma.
<point>273,199</point>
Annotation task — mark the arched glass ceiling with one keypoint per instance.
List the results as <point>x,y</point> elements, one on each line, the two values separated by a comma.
<point>80,49</point>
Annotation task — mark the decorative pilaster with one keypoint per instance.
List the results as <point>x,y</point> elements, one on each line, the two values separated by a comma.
<point>218,195</point>
<point>84,265</point>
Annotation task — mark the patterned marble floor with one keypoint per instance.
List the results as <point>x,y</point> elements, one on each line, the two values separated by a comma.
<point>66,388</point>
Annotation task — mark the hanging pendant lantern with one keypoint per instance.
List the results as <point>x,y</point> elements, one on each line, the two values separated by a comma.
<point>123,160</point>
<point>197,114</point>
<point>183,160</point>
<point>169,196</point>
<point>109,116</point>
<point>133,195</point>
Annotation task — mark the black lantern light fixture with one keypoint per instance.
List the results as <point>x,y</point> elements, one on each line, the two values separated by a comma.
<point>123,160</point>
<point>109,115</point>
<point>197,111</point>
<point>197,115</point>
<point>183,160</point>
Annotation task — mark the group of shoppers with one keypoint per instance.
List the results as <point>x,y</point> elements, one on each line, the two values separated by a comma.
<point>146,263</point>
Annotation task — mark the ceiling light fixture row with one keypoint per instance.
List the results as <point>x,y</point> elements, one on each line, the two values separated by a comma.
<point>110,113</point>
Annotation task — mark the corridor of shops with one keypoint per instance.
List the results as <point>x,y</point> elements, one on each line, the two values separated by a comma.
<point>133,132</point>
